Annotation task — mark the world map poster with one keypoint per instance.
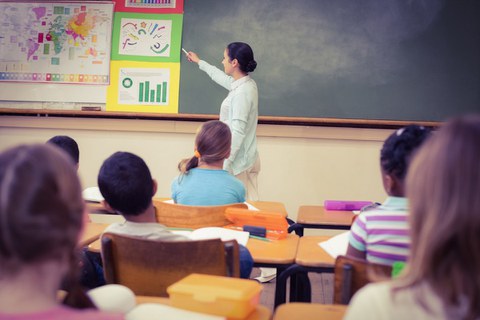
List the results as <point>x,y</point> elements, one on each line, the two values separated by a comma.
<point>60,42</point>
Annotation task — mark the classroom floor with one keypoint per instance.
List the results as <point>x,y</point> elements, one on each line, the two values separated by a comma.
<point>322,288</point>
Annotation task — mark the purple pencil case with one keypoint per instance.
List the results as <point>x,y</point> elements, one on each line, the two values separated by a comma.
<point>345,205</point>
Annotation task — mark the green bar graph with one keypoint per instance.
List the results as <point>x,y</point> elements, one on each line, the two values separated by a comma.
<point>147,90</point>
<point>140,92</point>
<point>159,86</point>
<point>158,94</point>
<point>164,92</point>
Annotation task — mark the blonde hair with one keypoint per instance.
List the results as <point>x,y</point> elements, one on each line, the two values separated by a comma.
<point>213,142</point>
<point>443,186</point>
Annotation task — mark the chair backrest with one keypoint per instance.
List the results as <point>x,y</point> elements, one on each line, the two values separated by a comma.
<point>148,267</point>
<point>351,274</point>
<point>194,217</point>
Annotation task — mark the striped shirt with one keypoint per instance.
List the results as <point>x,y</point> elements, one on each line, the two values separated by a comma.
<point>383,232</point>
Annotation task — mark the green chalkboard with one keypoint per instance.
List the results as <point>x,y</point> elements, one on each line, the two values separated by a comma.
<point>345,59</point>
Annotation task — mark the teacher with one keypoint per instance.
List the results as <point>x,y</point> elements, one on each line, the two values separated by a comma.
<point>239,111</point>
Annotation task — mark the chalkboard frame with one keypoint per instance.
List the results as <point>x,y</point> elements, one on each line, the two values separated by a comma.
<point>294,121</point>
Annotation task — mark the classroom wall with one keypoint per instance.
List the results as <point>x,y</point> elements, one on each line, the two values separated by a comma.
<point>300,164</point>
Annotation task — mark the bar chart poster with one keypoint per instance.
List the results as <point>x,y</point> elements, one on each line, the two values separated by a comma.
<point>149,6</point>
<point>147,37</point>
<point>144,87</point>
<point>55,42</point>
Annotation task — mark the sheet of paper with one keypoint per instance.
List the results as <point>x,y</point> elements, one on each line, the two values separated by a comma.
<point>251,207</point>
<point>222,233</point>
<point>148,311</point>
<point>336,245</point>
<point>185,233</point>
<point>92,194</point>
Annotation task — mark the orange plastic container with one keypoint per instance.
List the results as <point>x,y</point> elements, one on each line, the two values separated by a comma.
<point>275,223</point>
<point>228,297</point>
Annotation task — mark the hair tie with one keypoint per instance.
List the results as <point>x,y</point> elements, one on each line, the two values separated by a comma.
<point>197,154</point>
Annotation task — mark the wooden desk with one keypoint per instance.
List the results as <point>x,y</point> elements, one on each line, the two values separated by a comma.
<point>275,252</point>
<point>310,258</point>
<point>279,254</point>
<point>97,207</point>
<point>261,313</point>
<point>310,254</point>
<point>270,206</point>
<point>92,232</point>
<point>318,311</point>
<point>317,217</point>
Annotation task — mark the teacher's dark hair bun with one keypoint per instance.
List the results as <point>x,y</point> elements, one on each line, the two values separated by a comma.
<point>244,55</point>
<point>251,66</point>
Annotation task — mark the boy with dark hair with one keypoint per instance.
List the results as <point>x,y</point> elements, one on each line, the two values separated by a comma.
<point>68,145</point>
<point>127,186</point>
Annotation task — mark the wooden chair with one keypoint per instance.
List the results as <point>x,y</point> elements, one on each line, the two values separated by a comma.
<point>194,217</point>
<point>351,274</point>
<point>148,267</point>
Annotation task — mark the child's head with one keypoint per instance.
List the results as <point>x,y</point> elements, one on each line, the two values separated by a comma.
<point>126,183</point>
<point>443,187</point>
<point>212,145</point>
<point>41,208</point>
<point>244,55</point>
<point>395,156</point>
<point>68,145</point>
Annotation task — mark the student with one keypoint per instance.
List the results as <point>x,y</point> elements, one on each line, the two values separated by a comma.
<point>380,234</point>
<point>202,180</point>
<point>68,145</point>
<point>92,273</point>
<point>41,220</point>
<point>127,186</point>
<point>239,111</point>
<point>441,280</point>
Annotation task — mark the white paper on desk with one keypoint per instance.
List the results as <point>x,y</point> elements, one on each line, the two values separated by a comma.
<point>148,311</point>
<point>336,245</point>
<point>92,194</point>
<point>214,233</point>
<point>251,207</point>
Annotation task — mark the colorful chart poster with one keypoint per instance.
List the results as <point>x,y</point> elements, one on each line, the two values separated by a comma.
<point>144,87</point>
<point>149,6</point>
<point>61,42</point>
<point>147,37</point>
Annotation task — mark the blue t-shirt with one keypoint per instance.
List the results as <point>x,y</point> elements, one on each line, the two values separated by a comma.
<point>207,187</point>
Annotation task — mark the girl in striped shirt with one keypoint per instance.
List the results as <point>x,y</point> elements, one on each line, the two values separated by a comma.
<point>380,234</point>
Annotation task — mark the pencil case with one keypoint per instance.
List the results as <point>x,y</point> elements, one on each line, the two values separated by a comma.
<point>345,205</point>
<point>274,224</point>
